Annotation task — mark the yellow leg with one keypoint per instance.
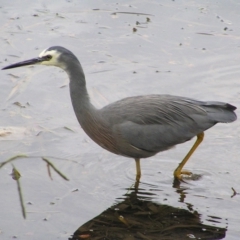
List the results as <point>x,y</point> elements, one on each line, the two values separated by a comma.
<point>138,169</point>
<point>177,173</point>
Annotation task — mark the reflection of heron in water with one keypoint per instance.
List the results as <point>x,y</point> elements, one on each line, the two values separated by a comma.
<point>138,217</point>
<point>136,127</point>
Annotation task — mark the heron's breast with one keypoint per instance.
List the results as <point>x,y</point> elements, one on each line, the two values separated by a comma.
<point>100,133</point>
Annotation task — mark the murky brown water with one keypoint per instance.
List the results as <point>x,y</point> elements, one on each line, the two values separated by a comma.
<point>187,48</point>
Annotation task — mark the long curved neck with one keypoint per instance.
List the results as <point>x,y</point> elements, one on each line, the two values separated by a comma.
<point>88,116</point>
<point>79,95</point>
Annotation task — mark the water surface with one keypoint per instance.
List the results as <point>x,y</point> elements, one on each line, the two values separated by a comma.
<point>126,48</point>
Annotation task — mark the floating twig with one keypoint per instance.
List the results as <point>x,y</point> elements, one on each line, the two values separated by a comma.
<point>234,192</point>
<point>54,168</point>
<point>49,171</point>
<point>20,193</point>
<point>12,159</point>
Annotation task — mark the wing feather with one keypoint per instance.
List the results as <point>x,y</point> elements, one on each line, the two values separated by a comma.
<point>155,123</point>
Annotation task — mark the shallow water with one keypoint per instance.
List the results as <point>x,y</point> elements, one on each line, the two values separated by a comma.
<point>187,48</point>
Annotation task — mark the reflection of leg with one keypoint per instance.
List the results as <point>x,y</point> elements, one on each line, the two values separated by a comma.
<point>177,173</point>
<point>138,169</point>
<point>136,185</point>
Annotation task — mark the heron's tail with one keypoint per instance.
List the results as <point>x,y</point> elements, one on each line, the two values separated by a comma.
<point>221,112</point>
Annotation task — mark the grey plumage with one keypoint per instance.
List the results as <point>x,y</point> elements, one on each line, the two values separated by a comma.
<point>156,123</point>
<point>141,126</point>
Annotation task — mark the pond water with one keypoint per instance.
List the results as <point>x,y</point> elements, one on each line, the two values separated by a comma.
<point>126,48</point>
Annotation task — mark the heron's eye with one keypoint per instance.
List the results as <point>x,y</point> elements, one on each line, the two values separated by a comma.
<point>48,57</point>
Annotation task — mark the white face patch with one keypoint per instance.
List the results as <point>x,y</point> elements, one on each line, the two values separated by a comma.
<point>54,60</point>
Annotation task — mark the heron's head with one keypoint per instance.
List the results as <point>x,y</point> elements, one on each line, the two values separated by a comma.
<point>53,56</point>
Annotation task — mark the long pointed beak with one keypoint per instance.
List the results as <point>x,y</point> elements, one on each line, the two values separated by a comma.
<point>26,63</point>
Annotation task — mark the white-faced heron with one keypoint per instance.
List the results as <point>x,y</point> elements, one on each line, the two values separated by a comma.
<point>136,127</point>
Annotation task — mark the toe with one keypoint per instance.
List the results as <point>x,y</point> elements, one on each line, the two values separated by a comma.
<point>186,172</point>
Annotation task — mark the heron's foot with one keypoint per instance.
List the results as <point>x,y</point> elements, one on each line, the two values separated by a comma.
<point>182,174</point>
<point>186,175</point>
<point>186,172</point>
